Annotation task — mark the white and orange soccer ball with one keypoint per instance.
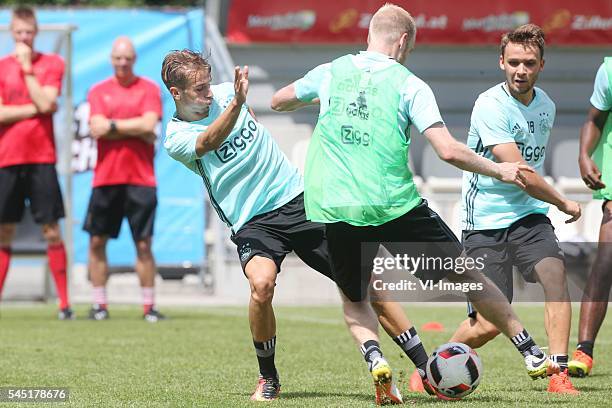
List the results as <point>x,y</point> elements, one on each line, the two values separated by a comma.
<point>454,369</point>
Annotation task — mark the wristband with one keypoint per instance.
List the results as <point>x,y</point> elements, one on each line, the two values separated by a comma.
<point>113,126</point>
<point>28,72</point>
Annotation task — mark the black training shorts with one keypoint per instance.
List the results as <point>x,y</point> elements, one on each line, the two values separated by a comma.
<point>109,204</point>
<point>352,262</point>
<point>522,245</point>
<point>276,233</point>
<point>36,183</point>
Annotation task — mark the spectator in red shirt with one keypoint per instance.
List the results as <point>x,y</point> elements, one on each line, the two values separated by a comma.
<point>124,112</point>
<point>29,86</point>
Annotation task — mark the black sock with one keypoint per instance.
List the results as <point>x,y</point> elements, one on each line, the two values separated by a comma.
<point>525,344</point>
<point>410,342</point>
<point>586,347</point>
<point>371,351</point>
<point>560,359</point>
<point>265,357</point>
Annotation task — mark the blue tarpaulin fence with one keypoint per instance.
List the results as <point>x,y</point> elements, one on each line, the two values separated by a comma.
<point>179,225</point>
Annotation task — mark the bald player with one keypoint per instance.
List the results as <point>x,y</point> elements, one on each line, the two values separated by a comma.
<point>358,182</point>
<point>124,112</point>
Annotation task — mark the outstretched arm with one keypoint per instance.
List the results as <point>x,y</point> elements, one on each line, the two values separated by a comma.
<point>459,155</point>
<point>535,185</point>
<point>284,100</point>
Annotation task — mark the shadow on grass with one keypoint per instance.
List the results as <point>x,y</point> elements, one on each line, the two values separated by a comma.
<point>477,399</point>
<point>590,388</point>
<point>592,375</point>
<point>320,394</point>
<point>411,398</point>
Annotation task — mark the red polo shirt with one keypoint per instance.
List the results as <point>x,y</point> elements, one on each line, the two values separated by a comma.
<point>129,160</point>
<point>28,141</point>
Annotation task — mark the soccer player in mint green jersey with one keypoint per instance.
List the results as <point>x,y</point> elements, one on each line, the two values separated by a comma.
<point>595,161</point>
<point>259,195</point>
<point>358,182</point>
<point>506,225</point>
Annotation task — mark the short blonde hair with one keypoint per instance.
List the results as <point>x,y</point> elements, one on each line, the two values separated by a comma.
<point>390,22</point>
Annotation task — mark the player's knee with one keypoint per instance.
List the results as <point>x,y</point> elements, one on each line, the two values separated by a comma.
<point>97,245</point>
<point>606,251</point>
<point>603,260</point>
<point>262,288</point>
<point>51,233</point>
<point>602,269</point>
<point>261,273</point>
<point>555,280</point>
<point>7,232</point>
<point>143,249</point>
<point>357,312</point>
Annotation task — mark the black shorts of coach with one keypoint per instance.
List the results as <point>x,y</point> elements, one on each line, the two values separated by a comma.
<point>352,262</point>
<point>109,204</point>
<point>274,234</point>
<point>522,245</point>
<point>36,183</point>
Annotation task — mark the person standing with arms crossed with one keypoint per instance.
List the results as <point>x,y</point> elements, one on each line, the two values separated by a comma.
<point>124,112</point>
<point>30,83</point>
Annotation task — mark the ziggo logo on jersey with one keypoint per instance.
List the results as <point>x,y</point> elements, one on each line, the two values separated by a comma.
<point>531,153</point>
<point>234,144</point>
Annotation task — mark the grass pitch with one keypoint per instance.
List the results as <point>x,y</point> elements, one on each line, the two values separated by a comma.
<point>204,357</point>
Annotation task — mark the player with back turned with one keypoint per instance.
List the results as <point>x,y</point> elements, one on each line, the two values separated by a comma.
<point>358,182</point>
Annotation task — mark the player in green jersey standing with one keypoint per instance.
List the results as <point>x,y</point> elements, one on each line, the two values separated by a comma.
<point>596,170</point>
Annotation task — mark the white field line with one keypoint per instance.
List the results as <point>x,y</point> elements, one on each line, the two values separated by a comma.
<point>307,319</point>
